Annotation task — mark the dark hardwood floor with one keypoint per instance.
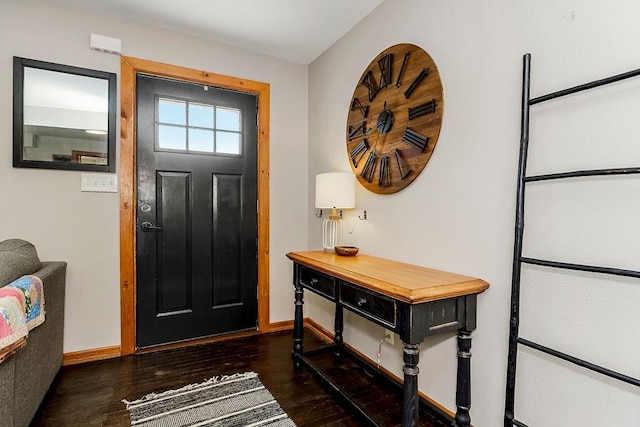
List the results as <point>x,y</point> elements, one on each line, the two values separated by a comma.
<point>91,394</point>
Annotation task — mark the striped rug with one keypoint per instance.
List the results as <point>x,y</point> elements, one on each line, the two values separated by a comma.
<point>236,400</point>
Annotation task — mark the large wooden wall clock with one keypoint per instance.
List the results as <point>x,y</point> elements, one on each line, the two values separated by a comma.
<point>394,118</point>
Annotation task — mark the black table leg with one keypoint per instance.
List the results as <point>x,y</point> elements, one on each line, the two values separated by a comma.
<point>463,388</point>
<point>298,327</point>
<point>338,328</point>
<point>411,356</point>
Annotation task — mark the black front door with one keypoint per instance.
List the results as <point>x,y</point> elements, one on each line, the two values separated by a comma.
<point>196,238</point>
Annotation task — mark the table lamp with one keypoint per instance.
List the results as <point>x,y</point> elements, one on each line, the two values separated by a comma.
<point>334,190</point>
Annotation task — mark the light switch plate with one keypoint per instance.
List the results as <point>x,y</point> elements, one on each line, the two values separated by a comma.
<point>99,182</point>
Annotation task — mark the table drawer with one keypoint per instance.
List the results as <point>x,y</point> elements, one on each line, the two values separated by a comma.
<point>318,282</point>
<point>376,307</point>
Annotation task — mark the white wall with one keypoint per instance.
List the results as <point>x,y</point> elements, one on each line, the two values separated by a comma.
<point>47,207</point>
<point>458,215</point>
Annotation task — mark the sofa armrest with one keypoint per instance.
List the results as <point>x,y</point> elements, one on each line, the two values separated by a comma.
<point>38,363</point>
<point>53,276</point>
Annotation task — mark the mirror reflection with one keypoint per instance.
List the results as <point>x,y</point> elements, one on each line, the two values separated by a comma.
<point>64,117</point>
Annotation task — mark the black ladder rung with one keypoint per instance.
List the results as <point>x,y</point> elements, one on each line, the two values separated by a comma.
<point>583,87</point>
<point>580,362</point>
<point>581,267</point>
<point>581,173</point>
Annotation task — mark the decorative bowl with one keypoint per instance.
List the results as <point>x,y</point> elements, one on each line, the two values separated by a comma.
<point>346,250</point>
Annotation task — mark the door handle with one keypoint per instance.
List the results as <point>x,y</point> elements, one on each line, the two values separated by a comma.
<point>147,226</point>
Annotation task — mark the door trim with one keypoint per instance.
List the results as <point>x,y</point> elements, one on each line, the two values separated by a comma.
<point>129,68</point>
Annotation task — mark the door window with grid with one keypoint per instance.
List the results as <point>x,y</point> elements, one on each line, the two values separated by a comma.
<point>192,127</point>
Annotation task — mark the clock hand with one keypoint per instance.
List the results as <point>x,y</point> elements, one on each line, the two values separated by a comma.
<point>369,130</point>
<point>358,152</point>
<point>370,164</point>
<point>357,131</point>
<point>375,145</point>
<point>381,122</point>
<point>377,126</point>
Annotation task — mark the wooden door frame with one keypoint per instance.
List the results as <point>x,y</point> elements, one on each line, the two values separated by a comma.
<point>130,67</point>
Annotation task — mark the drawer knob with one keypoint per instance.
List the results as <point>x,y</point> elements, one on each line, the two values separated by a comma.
<point>361,301</point>
<point>314,281</point>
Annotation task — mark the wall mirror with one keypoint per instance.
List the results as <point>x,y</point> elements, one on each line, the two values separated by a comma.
<point>64,117</point>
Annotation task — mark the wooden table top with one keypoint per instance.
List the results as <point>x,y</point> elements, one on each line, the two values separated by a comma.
<point>398,280</point>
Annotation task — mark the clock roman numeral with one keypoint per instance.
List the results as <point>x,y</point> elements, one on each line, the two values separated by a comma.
<point>358,152</point>
<point>384,64</point>
<point>421,110</point>
<point>424,73</point>
<point>370,83</point>
<point>357,131</point>
<point>402,68</point>
<point>364,109</point>
<point>415,139</point>
<point>383,178</point>
<point>369,166</point>
<point>403,167</point>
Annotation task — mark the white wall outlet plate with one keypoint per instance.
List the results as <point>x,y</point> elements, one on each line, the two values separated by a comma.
<point>389,337</point>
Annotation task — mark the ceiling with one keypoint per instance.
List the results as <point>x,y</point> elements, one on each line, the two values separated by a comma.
<point>294,30</point>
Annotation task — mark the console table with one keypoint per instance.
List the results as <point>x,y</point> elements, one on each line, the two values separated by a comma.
<point>410,300</point>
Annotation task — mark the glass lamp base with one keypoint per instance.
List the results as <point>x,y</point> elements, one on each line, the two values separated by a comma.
<point>332,233</point>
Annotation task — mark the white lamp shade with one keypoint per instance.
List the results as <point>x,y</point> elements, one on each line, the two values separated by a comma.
<point>336,190</point>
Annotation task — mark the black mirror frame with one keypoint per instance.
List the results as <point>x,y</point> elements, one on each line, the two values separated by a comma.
<point>18,116</point>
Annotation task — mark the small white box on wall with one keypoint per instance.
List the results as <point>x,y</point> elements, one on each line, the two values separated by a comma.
<point>106,44</point>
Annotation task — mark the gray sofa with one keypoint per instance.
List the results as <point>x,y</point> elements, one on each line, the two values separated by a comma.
<point>26,376</point>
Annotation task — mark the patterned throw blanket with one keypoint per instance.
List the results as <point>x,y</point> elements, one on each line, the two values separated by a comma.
<point>21,310</point>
